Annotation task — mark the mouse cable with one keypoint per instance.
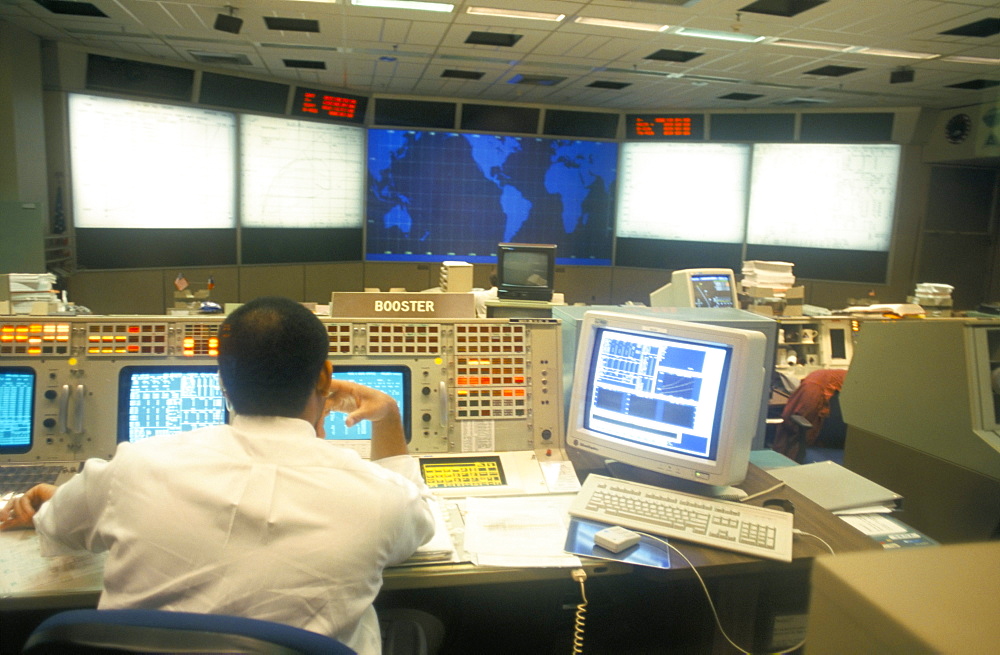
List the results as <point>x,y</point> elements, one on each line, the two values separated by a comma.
<point>817,538</point>
<point>581,609</point>
<point>711,604</point>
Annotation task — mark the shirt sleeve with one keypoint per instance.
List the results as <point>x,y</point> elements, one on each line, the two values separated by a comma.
<point>68,521</point>
<point>411,534</point>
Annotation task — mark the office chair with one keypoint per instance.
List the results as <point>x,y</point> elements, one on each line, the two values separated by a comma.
<point>80,632</point>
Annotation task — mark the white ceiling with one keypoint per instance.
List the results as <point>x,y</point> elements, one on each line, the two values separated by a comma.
<point>404,52</point>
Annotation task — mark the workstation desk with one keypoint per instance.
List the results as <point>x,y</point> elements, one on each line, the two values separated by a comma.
<point>761,602</point>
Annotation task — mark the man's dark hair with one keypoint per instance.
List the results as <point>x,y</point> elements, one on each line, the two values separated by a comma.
<point>271,351</point>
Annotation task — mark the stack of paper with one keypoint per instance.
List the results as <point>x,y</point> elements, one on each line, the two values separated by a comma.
<point>836,488</point>
<point>770,275</point>
<point>23,290</point>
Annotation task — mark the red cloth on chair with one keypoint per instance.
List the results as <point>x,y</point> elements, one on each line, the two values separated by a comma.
<point>811,401</point>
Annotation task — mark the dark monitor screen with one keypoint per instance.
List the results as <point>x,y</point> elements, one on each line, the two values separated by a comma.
<point>17,399</point>
<point>712,290</point>
<point>525,271</point>
<point>160,400</point>
<point>393,380</point>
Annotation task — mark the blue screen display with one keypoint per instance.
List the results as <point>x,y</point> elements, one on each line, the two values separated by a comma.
<point>393,380</point>
<point>435,196</point>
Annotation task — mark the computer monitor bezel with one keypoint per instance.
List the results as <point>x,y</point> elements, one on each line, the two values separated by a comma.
<point>739,411</point>
<point>680,291</point>
<point>20,449</point>
<point>125,376</point>
<point>405,410</point>
<point>508,289</point>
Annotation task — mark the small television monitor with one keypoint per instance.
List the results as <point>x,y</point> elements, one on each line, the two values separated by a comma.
<point>671,397</point>
<point>160,400</point>
<point>525,271</point>
<point>393,380</point>
<point>697,287</point>
<point>17,403</point>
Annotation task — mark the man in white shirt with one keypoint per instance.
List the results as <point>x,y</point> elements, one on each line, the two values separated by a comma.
<point>259,518</point>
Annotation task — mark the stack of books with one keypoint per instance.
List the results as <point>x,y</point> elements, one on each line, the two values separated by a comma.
<point>770,275</point>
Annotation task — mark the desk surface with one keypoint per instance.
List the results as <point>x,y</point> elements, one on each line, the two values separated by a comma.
<point>29,581</point>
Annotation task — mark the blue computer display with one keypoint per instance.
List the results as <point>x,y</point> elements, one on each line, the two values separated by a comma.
<point>393,380</point>
<point>17,394</point>
<point>159,400</point>
<point>434,196</point>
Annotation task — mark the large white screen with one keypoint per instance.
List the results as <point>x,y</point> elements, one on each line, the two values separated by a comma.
<point>141,164</point>
<point>683,191</point>
<point>823,196</point>
<point>301,174</point>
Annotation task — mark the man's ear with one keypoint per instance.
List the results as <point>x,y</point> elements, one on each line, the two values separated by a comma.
<point>323,382</point>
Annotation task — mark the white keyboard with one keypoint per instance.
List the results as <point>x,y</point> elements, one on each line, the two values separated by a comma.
<point>745,529</point>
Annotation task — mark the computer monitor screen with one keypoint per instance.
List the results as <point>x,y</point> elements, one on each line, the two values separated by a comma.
<point>705,287</point>
<point>674,397</point>
<point>159,400</point>
<point>525,271</point>
<point>713,290</point>
<point>17,399</point>
<point>393,380</point>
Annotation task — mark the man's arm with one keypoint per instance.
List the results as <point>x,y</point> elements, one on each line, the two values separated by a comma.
<point>19,510</point>
<point>364,403</point>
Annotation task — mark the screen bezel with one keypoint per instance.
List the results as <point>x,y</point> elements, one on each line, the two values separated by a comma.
<point>741,405</point>
<point>21,449</point>
<point>125,376</point>
<point>405,412</point>
<point>509,290</point>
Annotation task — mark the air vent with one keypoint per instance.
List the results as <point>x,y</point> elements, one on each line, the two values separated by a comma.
<point>65,8</point>
<point>786,8</point>
<point>833,71</point>
<point>679,56</point>
<point>981,28</point>
<point>801,101</point>
<point>493,38</point>
<point>615,86</point>
<point>221,58</point>
<point>291,24</point>
<point>536,80</point>
<point>741,96</point>
<point>462,75</point>
<point>975,84</point>
<point>305,63</point>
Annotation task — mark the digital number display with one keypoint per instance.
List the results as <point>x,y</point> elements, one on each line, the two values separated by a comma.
<point>669,127</point>
<point>330,106</point>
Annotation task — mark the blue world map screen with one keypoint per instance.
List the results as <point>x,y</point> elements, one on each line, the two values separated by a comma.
<point>435,196</point>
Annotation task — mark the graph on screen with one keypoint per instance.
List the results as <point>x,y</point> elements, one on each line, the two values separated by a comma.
<point>301,174</point>
<point>143,164</point>
<point>683,191</point>
<point>837,196</point>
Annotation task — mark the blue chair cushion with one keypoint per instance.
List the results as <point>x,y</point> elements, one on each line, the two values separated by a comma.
<point>139,631</point>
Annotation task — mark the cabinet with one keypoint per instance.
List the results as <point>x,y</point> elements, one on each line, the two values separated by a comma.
<point>807,343</point>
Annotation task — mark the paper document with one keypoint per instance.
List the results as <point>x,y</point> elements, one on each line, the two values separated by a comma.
<point>522,531</point>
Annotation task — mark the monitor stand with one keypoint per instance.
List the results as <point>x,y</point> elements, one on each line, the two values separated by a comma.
<point>635,474</point>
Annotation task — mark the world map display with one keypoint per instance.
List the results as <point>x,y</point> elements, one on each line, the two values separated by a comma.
<point>435,196</point>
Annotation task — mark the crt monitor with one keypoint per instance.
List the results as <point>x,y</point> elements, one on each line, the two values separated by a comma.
<point>17,397</point>
<point>164,399</point>
<point>697,287</point>
<point>670,397</point>
<point>525,271</point>
<point>393,380</point>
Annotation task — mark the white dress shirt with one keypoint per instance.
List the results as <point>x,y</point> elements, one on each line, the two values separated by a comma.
<point>259,518</point>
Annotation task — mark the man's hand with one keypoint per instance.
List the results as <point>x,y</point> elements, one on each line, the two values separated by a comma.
<point>364,403</point>
<point>19,510</point>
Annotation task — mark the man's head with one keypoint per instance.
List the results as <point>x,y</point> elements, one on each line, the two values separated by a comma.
<point>271,353</point>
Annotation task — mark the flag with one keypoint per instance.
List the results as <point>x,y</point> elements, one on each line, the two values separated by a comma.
<point>180,282</point>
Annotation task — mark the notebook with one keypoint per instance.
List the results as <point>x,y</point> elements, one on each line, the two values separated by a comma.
<point>836,488</point>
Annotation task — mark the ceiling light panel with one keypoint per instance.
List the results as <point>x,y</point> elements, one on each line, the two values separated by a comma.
<point>621,24</point>
<point>514,13</point>
<point>738,37</point>
<point>902,54</point>
<point>415,5</point>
